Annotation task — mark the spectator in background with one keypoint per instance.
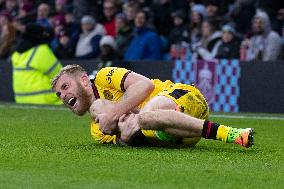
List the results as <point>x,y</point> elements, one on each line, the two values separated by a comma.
<point>278,23</point>
<point>25,9</point>
<point>72,27</point>
<point>59,24</point>
<point>7,39</point>
<point>162,17</point>
<point>146,43</point>
<point>5,18</point>
<point>179,32</point>
<point>65,48</point>
<point>210,41</point>
<point>109,56</point>
<point>265,44</point>
<point>12,7</point>
<point>198,14</point>
<point>242,12</point>
<point>179,36</point>
<point>89,39</point>
<point>110,9</point>
<point>124,33</point>
<point>130,9</point>
<point>212,8</point>
<point>42,15</point>
<point>230,46</point>
<point>85,7</point>
<point>59,7</point>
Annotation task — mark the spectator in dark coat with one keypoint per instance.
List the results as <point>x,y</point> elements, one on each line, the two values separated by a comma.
<point>146,44</point>
<point>124,33</point>
<point>65,48</point>
<point>179,32</point>
<point>242,13</point>
<point>162,17</point>
<point>230,46</point>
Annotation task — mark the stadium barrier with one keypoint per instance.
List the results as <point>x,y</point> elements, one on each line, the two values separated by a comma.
<point>228,85</point>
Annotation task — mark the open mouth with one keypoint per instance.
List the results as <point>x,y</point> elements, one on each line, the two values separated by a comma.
<point>72,101</point>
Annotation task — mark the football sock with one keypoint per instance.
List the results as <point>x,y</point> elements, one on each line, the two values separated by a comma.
<point>216,131</point>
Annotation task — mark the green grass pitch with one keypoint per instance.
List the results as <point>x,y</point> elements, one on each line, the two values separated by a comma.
<point>51,148</point>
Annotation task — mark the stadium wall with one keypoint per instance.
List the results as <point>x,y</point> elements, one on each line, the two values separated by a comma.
<point>229,86</point>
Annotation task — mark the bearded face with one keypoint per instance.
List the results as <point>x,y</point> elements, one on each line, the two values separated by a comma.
<point>258,26</point>
<point>74,94</point>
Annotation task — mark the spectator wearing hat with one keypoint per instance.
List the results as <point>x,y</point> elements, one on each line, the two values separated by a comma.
<point>265,44</point>
<point>42,15</point>
<point>108,54</point>
<point>65,48</point>
<point>89,39</point>
<point>124,33</point>
<point>198,14</point>
<point>179,32</point>
<point>230,46</point>
<point>146,44</point>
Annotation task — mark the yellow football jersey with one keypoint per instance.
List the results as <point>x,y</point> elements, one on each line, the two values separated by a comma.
<point>109,84</point>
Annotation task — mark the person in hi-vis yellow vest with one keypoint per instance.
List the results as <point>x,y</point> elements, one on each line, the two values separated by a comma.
<point>32,72</point>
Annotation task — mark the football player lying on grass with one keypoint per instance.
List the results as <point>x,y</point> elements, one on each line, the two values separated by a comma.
<point>170,112</point>
<point>159,126</point>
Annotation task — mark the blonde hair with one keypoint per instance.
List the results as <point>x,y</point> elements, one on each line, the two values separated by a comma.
<point>69,69</point>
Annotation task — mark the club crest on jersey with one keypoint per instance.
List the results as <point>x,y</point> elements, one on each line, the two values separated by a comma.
<point>108,95</point>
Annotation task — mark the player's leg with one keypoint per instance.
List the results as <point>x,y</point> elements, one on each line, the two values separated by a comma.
<point>159,114</point>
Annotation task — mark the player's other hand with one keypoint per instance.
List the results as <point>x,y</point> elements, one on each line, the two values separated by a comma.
<point>108,123</point>
<point>128,127</point>
<point>101,112</point>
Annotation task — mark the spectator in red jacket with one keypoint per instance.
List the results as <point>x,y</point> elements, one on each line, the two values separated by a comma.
<point>110,9</point>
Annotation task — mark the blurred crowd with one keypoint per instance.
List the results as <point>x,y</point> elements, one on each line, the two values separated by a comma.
<point>117,30</point>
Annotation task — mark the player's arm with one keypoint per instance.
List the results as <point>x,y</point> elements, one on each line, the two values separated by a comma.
<point>136,89</point>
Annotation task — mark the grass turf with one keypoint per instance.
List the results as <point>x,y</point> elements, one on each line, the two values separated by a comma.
<point>41,148</point>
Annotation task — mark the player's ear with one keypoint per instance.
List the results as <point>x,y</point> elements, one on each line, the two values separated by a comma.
<point>85,80</point>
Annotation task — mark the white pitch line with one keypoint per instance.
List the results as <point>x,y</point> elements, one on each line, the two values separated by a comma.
<point>248,117</point>
<point>214,116</point>
<point>33,107</point>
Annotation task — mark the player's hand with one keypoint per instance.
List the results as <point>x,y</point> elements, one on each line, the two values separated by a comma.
<point>128,127</point>
<point>108,123</point>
